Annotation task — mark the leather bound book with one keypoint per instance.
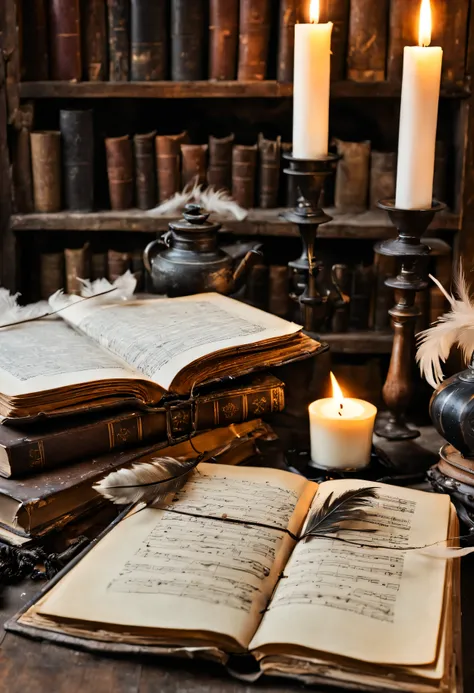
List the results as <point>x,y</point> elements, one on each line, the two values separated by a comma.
<point>352,177</point>
<point>223,39</point>
<point>149,40</point>
<point>46,167</point>
<point>138,270</point>
<point>118,12</point>
<point>187,40</point>
<point>367,51</point>
<point>244,168</point>
<point>254,39</point>
<point>77,267</point>
<point>168,153</point>
<point>99,265</point>
<point>51,275</point>
<point>286,39</point>
<point>145,170</point>
<point>34,41</point>
<point>77,131</point>
<point>278,290</point>
<point>65,40</point>
<point>118,263</point>
<point>194,164</point>
<point>270,156</point>
<point>50,444</point>
<point>21,168</point>
<point>94,46</point>
<point>120,171</point>
<point>219,173</point>
<point>337,12</point>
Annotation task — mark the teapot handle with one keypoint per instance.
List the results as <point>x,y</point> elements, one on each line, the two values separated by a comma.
<point>151,250</point>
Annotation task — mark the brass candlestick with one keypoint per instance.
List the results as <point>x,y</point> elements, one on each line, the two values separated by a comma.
<point>413,255</point>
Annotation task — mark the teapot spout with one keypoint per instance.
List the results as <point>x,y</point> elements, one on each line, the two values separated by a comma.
<point>243,269</point>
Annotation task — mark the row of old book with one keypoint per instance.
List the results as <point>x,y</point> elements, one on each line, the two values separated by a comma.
<point>187,40</point>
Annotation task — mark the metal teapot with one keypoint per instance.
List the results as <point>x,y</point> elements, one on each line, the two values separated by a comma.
<point>192,262</point>
<point>452,410</point>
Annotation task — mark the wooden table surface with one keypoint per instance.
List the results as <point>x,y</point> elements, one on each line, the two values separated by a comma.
<point>27,666</point>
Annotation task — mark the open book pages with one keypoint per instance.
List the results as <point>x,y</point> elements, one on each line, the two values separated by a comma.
<point>138,350</point>
<point>219,571</point>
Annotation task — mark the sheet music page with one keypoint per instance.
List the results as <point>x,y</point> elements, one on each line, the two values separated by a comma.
<point>47,354</point>
<point>380,605</point>
<point>160,337</point>
<point>183,572</point>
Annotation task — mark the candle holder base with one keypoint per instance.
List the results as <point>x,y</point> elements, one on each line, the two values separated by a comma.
<point>395,429</point>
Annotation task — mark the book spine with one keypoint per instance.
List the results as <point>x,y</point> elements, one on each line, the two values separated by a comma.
<point>194,164</point>
<point>244,167</point>
<point>254,38</point>
<point>145,170</point>
<point>77,132</point>
<point>337,12</point>
<point>168,150</point>
<point>34,39</point>
<point>46,167</point>
<point>256,288</point>
<point>286,39</point>
<point>120,171</point>
<point>453,17</point>
<point>223,41</point>
<point>51,274</point>
<point>270,157</point>
<point>187,39</point>
<point>278,290</point>
<point>219,173</point>
<point>367,50</point>
<point>94,47</point>
<point>383,167</point>
<point>21,169</point>
<point>77,267</point>
<point>118,263</point>
<point>352,177</point>
<point>149,40</point>
<point>98,265</point>
<point>118,13</point>
<point>404,22</point>
<point>65,40</point>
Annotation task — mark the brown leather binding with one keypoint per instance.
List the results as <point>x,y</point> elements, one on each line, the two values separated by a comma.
<point>120,171</point>
<point>244,167</point>
<point>168,149</point>
<point>352,178</point>
<point>21,169</point>
<point>77,267</point>
<point>77,133</point>
<point>51,274</point>
<point>65,40</point>
<point>286,39</point>
<point>34,40</point>
<point>149,40</point>
<point>194,164</point>
<point>98,265</point>
<point>223,38</point>
<point>119,34</point>
<point>187,39</point>
<point>118,263</point>
<point>367,51</point>
<point>219,174</point>
<point>46,165</point>
<point>278,292</point>
<point>95,40</point>
<point>254,37</point>
<point>145,170</point>
<point>270,157</point>
<point>337,12</point>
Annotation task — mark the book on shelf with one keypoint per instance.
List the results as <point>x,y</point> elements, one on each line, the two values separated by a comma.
<point>99,265</point>
<point>149,40</point>
<point>46,170</point>
<point>288,17</point>
<point>94,46</point>
<point>269,178</point>
<point>118,262</point>
<point>254,39</point>
<point>337,12</point>
<point>65,40</point>
<point>145,170</point>
<point>33,23</point>
<point>367,49</point>
<point>168,158</point>
<point>278,290</point>
<point>383,167</point>
<point>139,352</point>
<point>118,13</point>
<point>22,177</point>
<point>187,40</point>
<point>77,135</point>
<point>352,177</point>
<point>51,274</point>
<point>223,39</point>
<point>244,174</point>
<point>219,172</point>
<point>193,164</point>
<point>365,613</point>
<point>33,506</point>
<point>120,171</point>
<point>77,267</point>
<point>50,444</point>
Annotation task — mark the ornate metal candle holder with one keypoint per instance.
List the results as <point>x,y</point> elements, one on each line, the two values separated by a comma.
<point>413,257</point>
<point>310,175</point>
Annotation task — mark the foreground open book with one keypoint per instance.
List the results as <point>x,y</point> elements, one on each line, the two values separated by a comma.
<point>218,574</point>
<point>138,351</point>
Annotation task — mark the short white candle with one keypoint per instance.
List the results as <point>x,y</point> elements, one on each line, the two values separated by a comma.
<point>341,431</point>
<point>311,86</point>
<point>419,118</point>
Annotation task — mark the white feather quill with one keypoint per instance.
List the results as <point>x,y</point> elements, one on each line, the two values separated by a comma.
<point>147,482</point>
<point>218,201</point>
<point>11,312</point>
<point>455,327</point>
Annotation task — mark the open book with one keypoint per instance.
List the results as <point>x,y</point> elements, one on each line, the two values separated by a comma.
<point>138,351</point>
<point>218,573</point>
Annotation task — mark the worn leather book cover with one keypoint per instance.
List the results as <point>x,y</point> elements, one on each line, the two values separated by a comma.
<point>337,12</point>
<point>118,12</point>
<point>256,287</point>
<point>367,50</point>
<point>194,164</point>
<point>34,41</point>
<point>168,159</point>
<point>65,40</point>
<point>219,173</point>
<point>278,290</point>
<point>149,40</point>
<point>46,168</point>
<point>223,39</point>
<point>269,178</point>
<point>21,161</point>
<point>51,276</point>
<point>145,170</point>
<point>254,39</point>
<point>244,173</point>
<point>94,44</point>
<point>77,267</point>
<point>187,40</point>
<point>77,132</point>
<point>118,263</point>
<point>120,171</point>
<point>53,444</point>
<point>99,265</point>
<point>289,14</point>
<point>352,177</point>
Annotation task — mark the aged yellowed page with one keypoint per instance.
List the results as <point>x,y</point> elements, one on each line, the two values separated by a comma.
<point>181,571</point>
<point>380,605</point>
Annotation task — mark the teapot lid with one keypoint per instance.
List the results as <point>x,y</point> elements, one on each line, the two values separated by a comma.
<point>195,218</point>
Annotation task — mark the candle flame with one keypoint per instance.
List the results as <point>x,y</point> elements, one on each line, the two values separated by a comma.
<point>424,36</point>
<point>314,12</point>
<point>337,394</point>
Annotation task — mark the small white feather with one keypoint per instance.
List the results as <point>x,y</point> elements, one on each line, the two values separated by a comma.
<point>218,201</point>
<point>12,313</point>
<point>446,552</point>
<point>173,206</point>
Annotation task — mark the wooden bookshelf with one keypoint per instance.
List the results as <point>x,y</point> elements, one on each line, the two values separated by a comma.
<point>359,342</point>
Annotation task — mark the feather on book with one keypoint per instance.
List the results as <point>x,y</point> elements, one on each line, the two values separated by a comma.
<point>242,561</point>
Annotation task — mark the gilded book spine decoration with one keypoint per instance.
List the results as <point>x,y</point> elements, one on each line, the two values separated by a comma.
<point>119,34</point>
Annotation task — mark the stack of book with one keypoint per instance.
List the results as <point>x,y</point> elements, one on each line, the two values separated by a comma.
<point>130,381</point>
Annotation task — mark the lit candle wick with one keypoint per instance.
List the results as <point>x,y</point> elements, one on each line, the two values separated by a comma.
<point>341,407</point>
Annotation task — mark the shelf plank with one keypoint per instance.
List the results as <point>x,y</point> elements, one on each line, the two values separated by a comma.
<point>361,342</point>
<point>211,90</point>
<point>373,224</point>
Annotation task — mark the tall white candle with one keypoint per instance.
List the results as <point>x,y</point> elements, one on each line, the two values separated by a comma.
<point>418,118</point>
<point>311,87</point>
